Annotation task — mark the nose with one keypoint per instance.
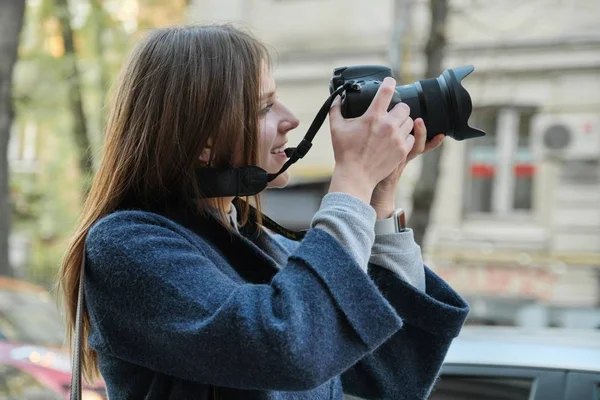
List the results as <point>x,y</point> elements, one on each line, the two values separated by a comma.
<point>288,122</point>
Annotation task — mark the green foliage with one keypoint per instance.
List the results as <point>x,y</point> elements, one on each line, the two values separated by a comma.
<point>46,202</point>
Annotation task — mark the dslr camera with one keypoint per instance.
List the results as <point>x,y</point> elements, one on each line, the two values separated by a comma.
<point>442,102</point>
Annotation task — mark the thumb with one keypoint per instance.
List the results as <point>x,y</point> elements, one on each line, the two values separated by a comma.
<point>335,112</point>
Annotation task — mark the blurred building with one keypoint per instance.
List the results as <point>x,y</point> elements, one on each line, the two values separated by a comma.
<point>516,225</point>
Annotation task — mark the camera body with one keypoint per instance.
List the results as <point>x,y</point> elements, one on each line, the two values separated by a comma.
<point>442,102</point>
<point>366,81</point>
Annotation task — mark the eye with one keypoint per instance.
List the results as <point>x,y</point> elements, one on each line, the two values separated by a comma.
<point>267,108</point>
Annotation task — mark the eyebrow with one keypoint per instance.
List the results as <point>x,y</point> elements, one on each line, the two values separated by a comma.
<point>268,95</point>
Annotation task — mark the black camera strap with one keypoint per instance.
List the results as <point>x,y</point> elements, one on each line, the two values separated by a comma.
<point>250,180</point>
<point>267,222</point>
<point>296,153</point>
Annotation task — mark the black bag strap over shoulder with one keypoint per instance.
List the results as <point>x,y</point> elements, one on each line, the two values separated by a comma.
<point>76,357</point>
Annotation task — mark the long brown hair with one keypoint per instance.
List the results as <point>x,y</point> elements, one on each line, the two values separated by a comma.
<point>183,89</point>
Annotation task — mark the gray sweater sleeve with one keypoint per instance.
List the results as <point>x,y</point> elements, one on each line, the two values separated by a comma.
<point>399,253</point>
<point>351,221</point>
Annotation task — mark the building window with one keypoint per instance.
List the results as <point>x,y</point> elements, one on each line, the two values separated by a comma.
<point>481,163</point>
<point>500,167</point>
<point>523,166</point>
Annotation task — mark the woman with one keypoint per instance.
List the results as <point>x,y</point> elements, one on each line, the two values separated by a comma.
<point>188,298</point>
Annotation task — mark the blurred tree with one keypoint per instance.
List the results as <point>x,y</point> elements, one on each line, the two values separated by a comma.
<point>11,21</point>
<point>50,90</point>
<point>424,192</point>
<point>99,18</point>
<point>73,81</point>
<point>158,13</point>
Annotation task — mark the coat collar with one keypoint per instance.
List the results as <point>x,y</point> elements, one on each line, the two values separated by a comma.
<point>253,253</point>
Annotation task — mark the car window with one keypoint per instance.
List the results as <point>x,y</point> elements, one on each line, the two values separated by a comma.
<point>16,384</point>
<point>30,317</point>
<point>461,387</point>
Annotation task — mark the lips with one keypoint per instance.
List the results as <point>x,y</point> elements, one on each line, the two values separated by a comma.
<point>278,149</point>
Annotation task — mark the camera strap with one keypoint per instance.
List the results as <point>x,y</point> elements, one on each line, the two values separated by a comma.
<point>250,180</point>
<point>296,153</point>
<point>267,222</point>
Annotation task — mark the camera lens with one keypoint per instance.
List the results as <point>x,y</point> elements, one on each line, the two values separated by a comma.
<point>442,102</point>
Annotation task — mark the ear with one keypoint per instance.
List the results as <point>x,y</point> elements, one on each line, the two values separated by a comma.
<point>205,154</point>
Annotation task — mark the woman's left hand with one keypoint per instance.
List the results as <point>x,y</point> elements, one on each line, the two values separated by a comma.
<point>383,199</point>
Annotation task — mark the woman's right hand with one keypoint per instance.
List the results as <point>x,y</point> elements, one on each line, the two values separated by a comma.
<point>368,148</point>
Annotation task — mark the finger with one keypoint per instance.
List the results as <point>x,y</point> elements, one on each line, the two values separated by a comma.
<point>435,142</point>
<point>401,112</point>
<point>383,97</point>
<point>335,112</point>
<point>407,127</point>
<point>420,136</point>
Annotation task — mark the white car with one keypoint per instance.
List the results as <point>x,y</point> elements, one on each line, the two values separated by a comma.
<point>497,363</point>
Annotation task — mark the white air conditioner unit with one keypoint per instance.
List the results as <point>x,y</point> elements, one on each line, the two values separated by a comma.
<point>566,136</point>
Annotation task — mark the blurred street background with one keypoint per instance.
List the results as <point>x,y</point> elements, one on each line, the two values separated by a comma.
<point>510,220</point>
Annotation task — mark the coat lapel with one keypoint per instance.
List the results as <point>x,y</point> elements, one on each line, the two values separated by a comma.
<point>242,250</point>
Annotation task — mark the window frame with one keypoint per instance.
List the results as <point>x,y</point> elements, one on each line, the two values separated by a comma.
<point>504,182</point>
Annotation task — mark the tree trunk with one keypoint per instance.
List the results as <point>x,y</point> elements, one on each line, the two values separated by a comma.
<point>98,16</point>
<point>424,192</point>
<point>11,21</point>
<point>80,134</point>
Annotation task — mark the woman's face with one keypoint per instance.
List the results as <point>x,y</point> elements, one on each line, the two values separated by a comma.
<point>275,122</point>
